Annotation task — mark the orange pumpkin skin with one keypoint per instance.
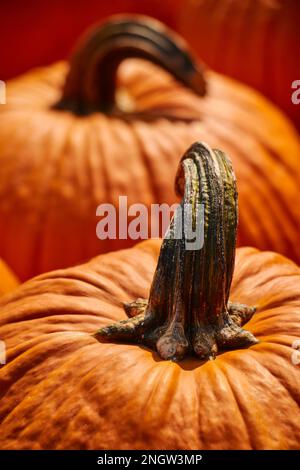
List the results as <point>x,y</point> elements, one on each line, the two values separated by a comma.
<point>57,166</point>
<point>8,280</point>
<point>90,395</point>
<point>255,41</point>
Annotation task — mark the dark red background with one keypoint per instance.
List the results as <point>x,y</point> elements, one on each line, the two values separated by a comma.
<point>34,33</point>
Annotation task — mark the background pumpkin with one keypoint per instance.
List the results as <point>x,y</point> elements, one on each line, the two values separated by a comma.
<point>255,41</point>
<point>223,404</point>
<point>8,280</point>
<point>58,165</point>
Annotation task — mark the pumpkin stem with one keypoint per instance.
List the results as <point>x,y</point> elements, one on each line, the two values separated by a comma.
<point>91,82</point>
<point>188,308</point>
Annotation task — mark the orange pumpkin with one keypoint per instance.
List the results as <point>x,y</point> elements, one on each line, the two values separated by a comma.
<point>71,140</point>
<point>8,280</point>
<point>87,394</point>
<point>255,41</point>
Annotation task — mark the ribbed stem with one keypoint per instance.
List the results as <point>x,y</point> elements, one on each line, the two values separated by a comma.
<point>91,82</point>
<point>188,308</point>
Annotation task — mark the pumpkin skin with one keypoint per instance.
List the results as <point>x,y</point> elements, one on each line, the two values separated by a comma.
<point>225,32</point>
<point>58,166</point>
<point>90,395</point>
<point>8,280</point>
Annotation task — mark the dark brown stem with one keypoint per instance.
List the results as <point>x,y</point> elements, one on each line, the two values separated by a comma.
<point>188,308</point>
<point>91,82</point>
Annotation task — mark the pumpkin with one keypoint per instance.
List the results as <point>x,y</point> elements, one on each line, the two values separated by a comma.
<point>8,280</point>
<point>45,32</point>
<point>255,41</point>
<point>86,390</point>
<point>70,141</point>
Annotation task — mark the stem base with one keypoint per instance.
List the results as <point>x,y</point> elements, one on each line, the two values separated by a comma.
<point>170,341</point>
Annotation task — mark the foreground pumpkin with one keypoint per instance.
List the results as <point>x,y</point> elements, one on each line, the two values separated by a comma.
<point>255,41</point>
<point>72,139</point>
<point>85,393</point>
<point>8,280</point>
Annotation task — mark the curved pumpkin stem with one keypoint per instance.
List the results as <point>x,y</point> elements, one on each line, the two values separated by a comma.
<point>91,82</point>
<point>188,308</point>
